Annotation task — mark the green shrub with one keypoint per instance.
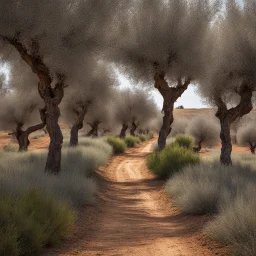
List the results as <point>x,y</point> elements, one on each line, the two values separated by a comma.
<point>168,142</point>
<point>11,147</point>
<point>150,136</point>
<point>118,145</point>
<point>30,221</point>
<point>142,137</point>
<point>131,141</point>
<point>171,160</point>
<point>184,141</point>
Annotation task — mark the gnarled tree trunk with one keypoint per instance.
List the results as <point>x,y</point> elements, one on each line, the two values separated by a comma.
<point>252,148</point>
<point>123,131</point>
<point>52,97</point>
<point>170,95</point>
<point>94,132</point>
<point>226,144</point>
<point>22,136</point>
<point>228,116</point>
<point>199,147</point>
<point>134,127</point>
<point>53,162</point>
<point>78,125</point>
<point>74,134</point>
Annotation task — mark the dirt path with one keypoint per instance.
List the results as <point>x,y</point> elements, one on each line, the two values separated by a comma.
<point>133,216</point>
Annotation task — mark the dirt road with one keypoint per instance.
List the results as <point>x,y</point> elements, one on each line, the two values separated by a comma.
<point>134,217</point>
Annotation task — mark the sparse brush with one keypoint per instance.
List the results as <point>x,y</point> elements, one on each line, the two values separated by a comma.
<point>117,144</point>
<point>131,141</point>
<point>207,187</point>
<point>37,135</point>
<point>150,136</point>
<point>23,171</point>
<point>171,160</point>
<point>185,141</point>
<point>142,137</point>
<point>11,147</point>
<point>30,221</point>
<point>235,225</point>
<point>227,191</point>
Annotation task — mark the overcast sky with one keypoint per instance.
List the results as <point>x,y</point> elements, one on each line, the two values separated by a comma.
<point>189,99</point>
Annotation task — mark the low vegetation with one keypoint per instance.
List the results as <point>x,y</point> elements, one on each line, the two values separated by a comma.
<point>37,135</point>
<point>11,147</point>
<point>142,137</point>
<point>184,141</point>
<point>131,141</point>
<point>171,160</point>
<point>117,144</point>
<point>31,221</point>
<point>225,191</point>
<point>37,209</point>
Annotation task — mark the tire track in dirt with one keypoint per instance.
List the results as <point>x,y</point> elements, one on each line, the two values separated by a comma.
<point>133,216</point>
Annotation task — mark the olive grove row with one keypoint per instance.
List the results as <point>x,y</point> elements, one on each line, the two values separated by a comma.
<point>72,49</point>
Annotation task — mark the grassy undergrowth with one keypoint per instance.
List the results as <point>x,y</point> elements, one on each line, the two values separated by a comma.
<point>30,221</point>
<point>38,209</point>
<point>37,135</point>
<point>226,191</point>
<point>11,147</point>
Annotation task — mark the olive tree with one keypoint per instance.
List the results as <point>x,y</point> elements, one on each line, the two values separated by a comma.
<point>161,42</point>
<point>230,80</point>
<point>205,131</point>
<point>19,110</point>
<point>179,126</point>
<point>87,96</point>
<point>134,107</point>
<point>246,136</point>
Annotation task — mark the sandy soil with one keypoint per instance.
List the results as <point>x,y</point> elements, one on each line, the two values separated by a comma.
<point>133,216</point>
<point>36,144</point>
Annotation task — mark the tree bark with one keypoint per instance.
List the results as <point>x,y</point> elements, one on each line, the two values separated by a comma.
<point>199,147</point>
<point>94,132</point>
<point>53,162</point>
<point>74,134</point>
<point>166,126</point>
<point>78,125</point>
<point>123,131</point>
<point>225,136</point>
<point>252,148</point>
<point>170,95</point>
<point>228,116</point>
<point>134,127</point>
<point>22,136</point>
